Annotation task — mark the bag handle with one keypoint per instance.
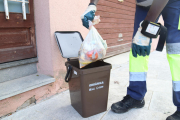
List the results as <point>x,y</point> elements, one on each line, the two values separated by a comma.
<point>68,73</point>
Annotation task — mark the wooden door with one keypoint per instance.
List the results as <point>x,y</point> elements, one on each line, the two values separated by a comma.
<point>117,24</point>
<point>17,31</point>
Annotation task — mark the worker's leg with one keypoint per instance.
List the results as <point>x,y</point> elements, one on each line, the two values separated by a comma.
<point>138,66</point>
<point>138,71</point>
<point>171,15</point>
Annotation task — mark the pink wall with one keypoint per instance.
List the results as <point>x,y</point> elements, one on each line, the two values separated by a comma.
<point>64,16</point>
<point>51,16</point>
<point>43,39</point>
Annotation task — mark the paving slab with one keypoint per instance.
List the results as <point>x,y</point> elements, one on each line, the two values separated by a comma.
<point>162,102</point>
<point>135,114</point>
<point>120,59</point>
<point>157,85</point>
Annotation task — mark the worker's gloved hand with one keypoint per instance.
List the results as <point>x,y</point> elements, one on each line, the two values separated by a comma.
<point>89,14</point>
<point>141,44</point>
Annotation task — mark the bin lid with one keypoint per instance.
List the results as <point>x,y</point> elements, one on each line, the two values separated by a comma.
<point>69,43</point>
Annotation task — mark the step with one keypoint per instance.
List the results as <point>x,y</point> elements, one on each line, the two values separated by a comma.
<point>24,84</point>
<point>17,69</point>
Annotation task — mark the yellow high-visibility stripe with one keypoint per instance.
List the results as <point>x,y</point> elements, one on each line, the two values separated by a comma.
<point>174,63</point>
<point>139,64</point>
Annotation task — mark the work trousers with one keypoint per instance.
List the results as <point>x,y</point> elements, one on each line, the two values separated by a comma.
<point>138,67</point>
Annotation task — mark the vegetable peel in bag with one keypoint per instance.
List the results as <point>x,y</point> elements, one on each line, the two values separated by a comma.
<point>93,47</point>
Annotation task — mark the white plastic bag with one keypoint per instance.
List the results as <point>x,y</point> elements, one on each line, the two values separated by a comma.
<point>93,47</point>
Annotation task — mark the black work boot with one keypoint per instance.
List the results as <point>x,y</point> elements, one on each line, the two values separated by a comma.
<point>126,104</point>
<point>175,116</point>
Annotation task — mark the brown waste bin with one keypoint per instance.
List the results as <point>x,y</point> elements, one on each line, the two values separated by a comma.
<point>88,86</point>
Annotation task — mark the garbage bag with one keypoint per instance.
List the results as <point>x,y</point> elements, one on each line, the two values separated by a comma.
<point>93,47</point>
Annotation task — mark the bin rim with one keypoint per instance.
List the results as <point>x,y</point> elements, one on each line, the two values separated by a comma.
<point>91,70</point>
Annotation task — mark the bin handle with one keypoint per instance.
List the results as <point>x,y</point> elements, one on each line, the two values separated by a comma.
<point>68,73</point>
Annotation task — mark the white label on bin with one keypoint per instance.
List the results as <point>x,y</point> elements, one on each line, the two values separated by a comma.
<point>75,72</point>
<point>99,87</point>
<point>96,86</point>
<point>97,83</point>
<point>91,89</point>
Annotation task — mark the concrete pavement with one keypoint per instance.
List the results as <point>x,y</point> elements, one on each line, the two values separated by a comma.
<point>158,99</point>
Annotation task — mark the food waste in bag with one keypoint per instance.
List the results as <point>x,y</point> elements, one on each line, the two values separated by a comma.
<point>93,47</point>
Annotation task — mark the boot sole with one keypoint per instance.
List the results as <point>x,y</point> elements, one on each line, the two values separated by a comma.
<point>120,112</point>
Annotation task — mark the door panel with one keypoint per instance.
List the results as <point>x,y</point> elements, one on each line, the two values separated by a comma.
<point>17,36</point>
<point>14,37</point>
